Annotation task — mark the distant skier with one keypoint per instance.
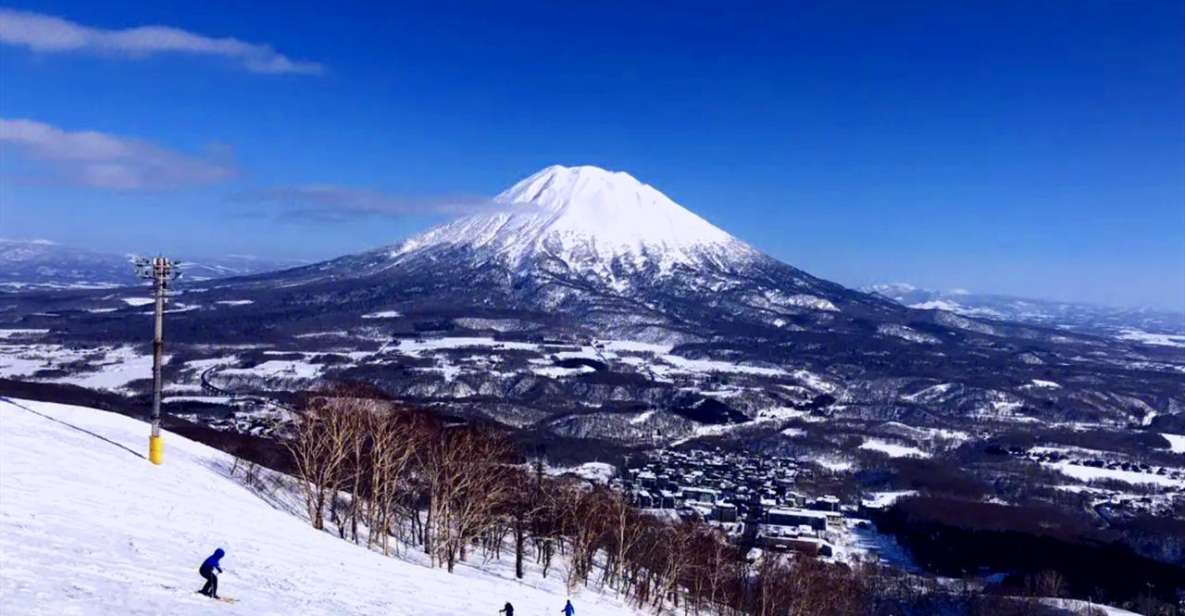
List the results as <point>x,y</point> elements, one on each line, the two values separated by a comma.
<point>568,609</point>
<point>207,571</point>
<point>508,610</point>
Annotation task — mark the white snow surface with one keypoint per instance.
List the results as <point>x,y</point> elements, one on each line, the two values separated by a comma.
<point>642,417</point>
<point>893,450</point>
<point>1090,473</point>
<point>834,464</point>
<point>117,368</point>
<point>416,348</point>
<point>1045,384</point>
<point>680,364</point>
<point>596,472</point>
<point>1137,335</point>
<point>1078,606</point>
<point>930,394</point>
<point>907,333</point>
<point>282,368</point>
<point>89,527</point>
<point>103,367</point>
<point>632,346</point>
<point>587,215</point>
<point>1176,442</point>
<point>383,314</point>
<point>949,306</point>
<point>559,372</point>
<point>21,333</point>
<point>880,500</point>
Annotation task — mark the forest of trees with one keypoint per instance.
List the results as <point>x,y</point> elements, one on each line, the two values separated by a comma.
<point>399,478</point>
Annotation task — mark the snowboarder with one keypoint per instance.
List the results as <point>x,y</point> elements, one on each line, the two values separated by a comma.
<point>508,610</point>
<point>207,571</point>
<point>568,609</point>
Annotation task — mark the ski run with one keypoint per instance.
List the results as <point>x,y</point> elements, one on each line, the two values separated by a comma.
<point>89,527</point>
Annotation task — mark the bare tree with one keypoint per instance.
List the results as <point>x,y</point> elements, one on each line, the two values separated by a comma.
<point>395,435</point>
<point>464,471</point>
<point>523,506</point>
<point>319,449</point>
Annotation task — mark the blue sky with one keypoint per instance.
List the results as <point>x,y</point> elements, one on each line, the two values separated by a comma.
<point>1031,148</point>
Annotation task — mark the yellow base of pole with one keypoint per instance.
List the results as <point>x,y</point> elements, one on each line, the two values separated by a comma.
<point>156,449</point>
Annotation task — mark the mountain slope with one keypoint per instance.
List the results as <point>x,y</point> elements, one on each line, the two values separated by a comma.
<point>1130,323</point>
<point>41,264</point>
<point>87,526</point>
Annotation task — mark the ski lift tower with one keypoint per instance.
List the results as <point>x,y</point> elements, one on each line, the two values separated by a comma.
<point>161,272</point>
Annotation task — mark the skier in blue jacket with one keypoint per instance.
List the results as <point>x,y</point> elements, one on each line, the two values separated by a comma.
<point>207,570</point>
<point>568,609</point>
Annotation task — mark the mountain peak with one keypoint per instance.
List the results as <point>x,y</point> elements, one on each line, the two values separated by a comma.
<point>585,214</point>
<point>557,185</point>
<point>611,207</point>
<point>585,187</point>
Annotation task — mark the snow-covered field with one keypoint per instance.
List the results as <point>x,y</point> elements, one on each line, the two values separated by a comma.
<point>1137,335</point>
<point>557,372</point>
<point>416,348</point>
<point>117,367</point>
<point>880,500</point>
<point>1090,473</point>
<point>21,333</point>
<point>277,368</point>
<point>664,366</point>
<point>893,450</point>
<point>676,364</point>
<point>88,526</point>
<point>598,472</point>
<point>834,464</point>
<point>384,314</point>
<point>104,367</point>
<point>112,368</point>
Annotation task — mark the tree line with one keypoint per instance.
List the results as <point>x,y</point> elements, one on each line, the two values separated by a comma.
<point>399,478</point>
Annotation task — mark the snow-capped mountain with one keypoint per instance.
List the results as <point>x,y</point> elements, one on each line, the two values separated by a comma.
<point>583,241</point>
<point>42,264</point>
<point>590,219</point>
<point>1123,322</point>
<point>589,291</point>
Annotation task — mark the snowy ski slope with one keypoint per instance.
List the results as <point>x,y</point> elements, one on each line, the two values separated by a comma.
<point>88,526</point>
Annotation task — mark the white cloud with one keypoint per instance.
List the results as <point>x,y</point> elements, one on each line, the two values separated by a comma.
<point>49,34</point>
<point>101,160</point>
<point>327,202</point>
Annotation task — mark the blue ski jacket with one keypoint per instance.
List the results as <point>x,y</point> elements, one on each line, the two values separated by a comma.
<point>568,609</point>
<point>213,561</point>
